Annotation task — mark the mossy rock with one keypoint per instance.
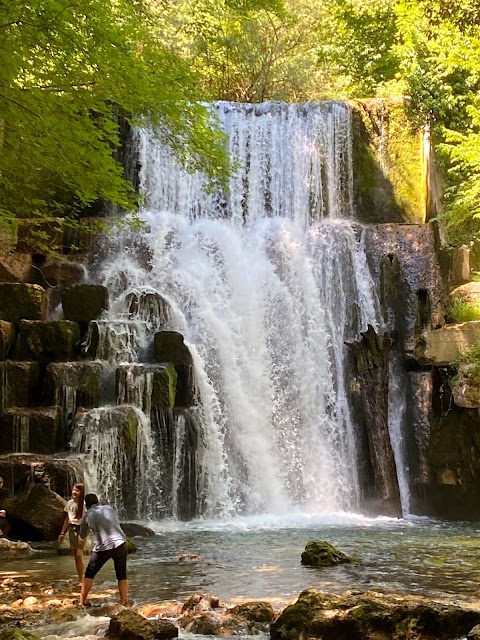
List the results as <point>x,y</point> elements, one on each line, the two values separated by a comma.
<point>388,163</point>
<point>48,341</point>
<point>22,302</point>
<point>15,633</point>
<point>370,616</point>
<point>319,553</point>
<point>131,546</point>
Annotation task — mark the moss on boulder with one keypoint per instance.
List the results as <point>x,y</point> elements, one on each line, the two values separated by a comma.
<point>48,341</point>
<point>21,301</point>
<point>319,553</point>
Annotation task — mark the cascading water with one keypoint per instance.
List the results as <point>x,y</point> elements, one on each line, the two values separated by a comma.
<point>266,284</point>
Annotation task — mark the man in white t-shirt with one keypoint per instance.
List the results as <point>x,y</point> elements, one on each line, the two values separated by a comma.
<point>110,542</point>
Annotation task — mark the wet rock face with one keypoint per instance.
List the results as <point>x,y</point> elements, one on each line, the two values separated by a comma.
<point>84,302</point>
<point>163,380</point>
<point>20,469</point>
<point>319,553</point>
<point>85,378</point>
<point>22,302</point>
<point>370,616</point>
<point>7,338</point>
<point>30,430</point>
<point>451,489</point>
<point>404,263</point>
<point>371,354</point>
<point>170,347</point>
<point>20,384</point>
<point>48,341</point>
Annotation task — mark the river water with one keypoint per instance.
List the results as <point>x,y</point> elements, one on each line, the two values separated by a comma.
<point>259,558</point>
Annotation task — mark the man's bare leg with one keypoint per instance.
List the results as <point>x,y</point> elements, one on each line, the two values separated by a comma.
<point>86,586</point>
<point>123,589</point>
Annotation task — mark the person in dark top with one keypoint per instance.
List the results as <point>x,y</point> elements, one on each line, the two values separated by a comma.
<point>3,497</point>
<point>110,542</point>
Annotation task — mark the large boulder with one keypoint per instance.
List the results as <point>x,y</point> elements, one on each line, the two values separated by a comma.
<point>203,615</point>
<point>48,341</point>
<point>466,293</point>
<point>84,302</point>
<point>22,302</point>
<point>60,271</point>
<point>128,625</point>
<point>443,346</point>
<point>15,267</point>
<point>319,553</point>
<point>36,513</point>
<point>255,611</point>
<point>370,616</point>
<point>133,529</point>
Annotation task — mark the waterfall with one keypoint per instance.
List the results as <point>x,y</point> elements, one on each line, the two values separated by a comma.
<point>266,283</point>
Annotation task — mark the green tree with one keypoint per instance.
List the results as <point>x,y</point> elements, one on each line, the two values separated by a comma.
<point>439,48</point>
<point>68,71</point>
<point>256,56</point>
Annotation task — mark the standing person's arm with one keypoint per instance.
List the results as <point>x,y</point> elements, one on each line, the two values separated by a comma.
<point>82,534</point>
<point>66,522</point>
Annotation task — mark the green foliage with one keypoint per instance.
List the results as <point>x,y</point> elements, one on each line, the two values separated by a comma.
<point>463,311</point>
<point>469,356</point>
<point>252,57</point>
<point>68,72</point>
<point>439,48</point>
<point>360,38</point>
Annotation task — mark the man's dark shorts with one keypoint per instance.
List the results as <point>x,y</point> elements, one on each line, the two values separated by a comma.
<point>99,558</point>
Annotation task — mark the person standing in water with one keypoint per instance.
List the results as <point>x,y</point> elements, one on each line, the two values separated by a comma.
<point>74,510</point>
<point>110,542</point>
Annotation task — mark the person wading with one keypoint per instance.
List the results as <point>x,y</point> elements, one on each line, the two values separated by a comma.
<point>74,510</point>
<point>110,542</point>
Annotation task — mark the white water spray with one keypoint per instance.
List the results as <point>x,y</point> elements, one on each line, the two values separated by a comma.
<point>266,284</point>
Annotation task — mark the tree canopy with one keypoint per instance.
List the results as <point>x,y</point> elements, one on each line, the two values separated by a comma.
<point>71,69</point>
<point>68,72</point>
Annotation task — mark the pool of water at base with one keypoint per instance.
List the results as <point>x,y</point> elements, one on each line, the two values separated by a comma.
<point>259,557</point>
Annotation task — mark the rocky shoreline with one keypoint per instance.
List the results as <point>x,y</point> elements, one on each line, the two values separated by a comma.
<point>27,607</point>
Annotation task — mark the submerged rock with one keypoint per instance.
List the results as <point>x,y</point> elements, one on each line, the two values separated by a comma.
<point>9,548</point>
<point>133,529</point>
<point>319,553</point>
<point>14,633</point>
